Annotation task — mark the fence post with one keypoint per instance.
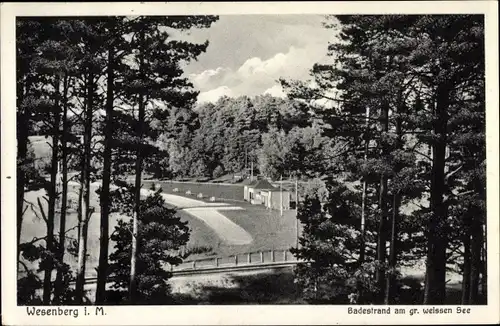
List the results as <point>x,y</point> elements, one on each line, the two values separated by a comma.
<point>272,256</point>
<point>261,257</point>
<point>236,260</point>
<point>284,255</point>
<point>216,261</point>
<point>249,258</point>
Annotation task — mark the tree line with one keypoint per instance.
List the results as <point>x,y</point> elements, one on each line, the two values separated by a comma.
<point>275,136</point>
<point>405,97</point>
<point>97,88</point>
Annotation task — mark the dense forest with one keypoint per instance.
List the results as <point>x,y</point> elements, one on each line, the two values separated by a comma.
<point>276,135</point>
<point>392,130</point>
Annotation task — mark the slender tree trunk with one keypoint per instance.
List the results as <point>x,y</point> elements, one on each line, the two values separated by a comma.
<point>82,213</point>
<point>47,280</point>
<point>86,211</point>
<point>22,152</point>
<point>476,245</point>
<point>64,196</point>
<point>138,175</point>
<point>435,283</point>
<point>382,228</point>
<point>466,271</point>
<point>362,248</point>
<point>484,274</point>
<point>390,293</point>
<point>102,270</point>
<point>135,230</point>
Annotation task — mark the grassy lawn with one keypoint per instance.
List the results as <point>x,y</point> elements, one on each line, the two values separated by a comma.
<point>269,230</point>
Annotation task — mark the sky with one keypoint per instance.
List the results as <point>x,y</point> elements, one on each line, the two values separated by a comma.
<point>247,54</point>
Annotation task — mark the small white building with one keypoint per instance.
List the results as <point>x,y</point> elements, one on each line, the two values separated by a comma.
<point>248,184</point>
<point>261,192</point>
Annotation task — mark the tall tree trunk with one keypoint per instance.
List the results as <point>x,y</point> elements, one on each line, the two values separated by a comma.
<point>82,213</point>
<point>382,228</point>
<point>22,152</point>
<point>64,196</point>
<point>435,283</point>
<point>102,270</point>
<point>466,269</point>
<point>138,175</point>
<point>86,212</point>
<point>476,245</point>
<point>390,293</point>
<point>362,248</point>
<point>47,280</point>
<point>135,230</point>
<point>484,271</point>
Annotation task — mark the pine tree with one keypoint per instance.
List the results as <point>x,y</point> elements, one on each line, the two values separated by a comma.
<point>113,28</point>
<point>450,56</point>
<point>28,102</point>
<point>55,62</point>
<point>412,75</point>
<point>155,74</point>
<point>162,235</point>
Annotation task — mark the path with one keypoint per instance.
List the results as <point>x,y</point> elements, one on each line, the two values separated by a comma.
<point>226,229</point>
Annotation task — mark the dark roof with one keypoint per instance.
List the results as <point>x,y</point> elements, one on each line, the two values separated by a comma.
<point>263,185</point>
<point>248,182</point>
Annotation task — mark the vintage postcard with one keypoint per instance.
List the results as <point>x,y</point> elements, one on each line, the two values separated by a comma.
<point>250,163</point>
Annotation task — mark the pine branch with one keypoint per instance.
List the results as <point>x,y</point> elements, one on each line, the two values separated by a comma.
<point>78,115</point>
<point>424,155</point>
<point>44,216</point>
<point>35,239</point>
<point>25,209</point>
<point>28,271</point>
<point>89,214</point>
<point>31,205</point>
<point>449,175</point>
<point>70,229</point>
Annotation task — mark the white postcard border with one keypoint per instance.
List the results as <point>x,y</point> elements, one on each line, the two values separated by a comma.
<point>249,314</point>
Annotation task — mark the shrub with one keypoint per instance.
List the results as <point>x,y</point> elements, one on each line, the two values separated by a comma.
<point>218,172</point>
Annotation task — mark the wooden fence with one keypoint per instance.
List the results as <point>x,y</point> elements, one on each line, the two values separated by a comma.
<point>244,259</point>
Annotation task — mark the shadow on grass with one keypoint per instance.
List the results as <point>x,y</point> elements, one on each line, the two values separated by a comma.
<point>265,288</point>
<point>278,287</point>
<point>413,293</point>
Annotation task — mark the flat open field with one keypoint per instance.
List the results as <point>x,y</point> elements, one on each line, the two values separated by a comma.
<point>268,229</point>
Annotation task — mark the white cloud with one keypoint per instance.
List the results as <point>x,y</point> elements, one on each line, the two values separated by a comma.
<point>256,53</point>
<point>270,67</point>
<point>207,78</point>
<point>214,94</point>
<point>293,64</point>
<point>257,76</point>
<point>276,91</point>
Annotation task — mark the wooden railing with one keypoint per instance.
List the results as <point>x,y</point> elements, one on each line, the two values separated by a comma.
<point>244,259</point>
<point>250,260</point>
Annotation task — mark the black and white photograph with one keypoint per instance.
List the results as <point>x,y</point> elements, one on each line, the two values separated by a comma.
<point>300,159</point>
